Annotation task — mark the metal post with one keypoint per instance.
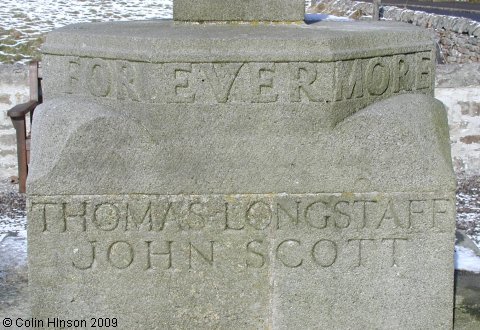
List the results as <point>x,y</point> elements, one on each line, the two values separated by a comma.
<point>21,131</point>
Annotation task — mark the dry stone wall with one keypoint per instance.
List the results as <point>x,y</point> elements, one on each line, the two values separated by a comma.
<point>457,87</point>
<point>13,90</point>
<point>458,38</point>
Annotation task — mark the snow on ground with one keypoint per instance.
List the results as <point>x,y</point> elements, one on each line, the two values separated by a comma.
<point>13,239</point>
<point>316,17</point>
<point>23,23</point>
<point>466,259</point>
<point>15,227</point>
<point>13,251</point>
<point>45,15</point>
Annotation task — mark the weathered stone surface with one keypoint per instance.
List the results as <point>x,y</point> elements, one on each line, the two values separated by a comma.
<point>191,84</point>
<point>251,261</point>
<point>245,10</point>
<point>231,177</point>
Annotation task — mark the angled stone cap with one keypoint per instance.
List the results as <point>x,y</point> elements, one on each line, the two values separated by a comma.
<point>244,10</point>
<point>165,41</point>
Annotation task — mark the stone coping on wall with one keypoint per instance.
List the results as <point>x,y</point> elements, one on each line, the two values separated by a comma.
<point>458,38</point>
<point>419,18</point>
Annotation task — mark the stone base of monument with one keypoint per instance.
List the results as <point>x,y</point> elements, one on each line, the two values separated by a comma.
<point>239,176</point>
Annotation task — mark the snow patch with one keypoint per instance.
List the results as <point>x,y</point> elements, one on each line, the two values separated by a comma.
<point>13,226</point>
<point>314,18</point>
<point>466,259</point>
<point>13,241</point>
<point>26,21</point>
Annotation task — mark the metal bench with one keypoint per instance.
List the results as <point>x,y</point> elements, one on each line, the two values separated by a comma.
<point>18,115</point>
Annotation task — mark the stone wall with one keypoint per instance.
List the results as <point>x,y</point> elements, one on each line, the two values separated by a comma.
<point>458,38</point>
<point>14,89</point>
<point>457,87</point>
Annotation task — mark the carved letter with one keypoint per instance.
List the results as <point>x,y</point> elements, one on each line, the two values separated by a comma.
<point>177,82</point>
<point>205,256</point>
<point>415,207</point>
<point>227,221</point>
<point>294,219</point>
<point>106,216</point>
<point>390,214</point>
<point>377,75</point>
<point>74,214</point>
<point>51,217</point>
<point>126,81</point>
<point>150,254</point>
<point>159,213</point>
<point>259,215</point>
<point>255,258</point>
<point>394,248</point>
<point>99,77</point>
<point>360,248</point>
<point>328,255</point>
<point>120,254</point>
<point>197,221</point>
<point>91,258</point>
<point>262,81</point>
<point>317,214</point>
<point>139,215</point>
<point>363,221</point>
<point>348,80</point>
<point>303,76</point>
<point>424,70</point>
<point>342,217</point>
<point>73,75</point>
<point>447,211</point>
<point>401,74</point>
<point>288,258</point>
<point>221,78</point>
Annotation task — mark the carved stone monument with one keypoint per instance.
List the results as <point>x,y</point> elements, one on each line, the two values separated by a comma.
<point>241,175</point>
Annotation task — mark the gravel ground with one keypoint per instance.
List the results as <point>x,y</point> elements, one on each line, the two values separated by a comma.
<point>12,203</point>
<point>468,207</point>
<point>13,254</point>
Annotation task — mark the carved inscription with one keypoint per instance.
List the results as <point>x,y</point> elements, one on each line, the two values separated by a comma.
<point>253,82</point>
<point>378,75</point>
<point>160,233</point>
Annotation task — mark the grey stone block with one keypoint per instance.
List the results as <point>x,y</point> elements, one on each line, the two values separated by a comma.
<point>224,176</point>
<point>245,10</point>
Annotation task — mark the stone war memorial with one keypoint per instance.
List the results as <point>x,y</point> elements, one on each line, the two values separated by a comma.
<point>236,168</point>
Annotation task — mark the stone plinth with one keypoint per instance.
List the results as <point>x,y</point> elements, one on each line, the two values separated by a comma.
<point>238,177</point>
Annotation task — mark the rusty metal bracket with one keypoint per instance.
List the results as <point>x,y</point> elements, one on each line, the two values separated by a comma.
<point>18,116</point>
